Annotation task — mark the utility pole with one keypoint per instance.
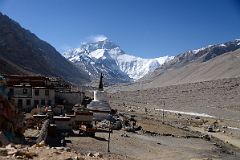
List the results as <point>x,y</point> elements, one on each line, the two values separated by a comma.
<point>163,112</point>
<point>109,132</point>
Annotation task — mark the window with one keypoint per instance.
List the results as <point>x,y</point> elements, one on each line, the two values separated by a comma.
<point>36,102</point>
<point>46,92</point>
<point>24,91</point>
<point>36,92</point>
<point>11,91</point>
<point>20,103</point>
<point>49,102</point>
<point>28,102</point>
<point>43,102</point>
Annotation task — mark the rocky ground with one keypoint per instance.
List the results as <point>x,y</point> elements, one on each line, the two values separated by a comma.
<point>219,98</point>
<point>157,141</point>
<point>200,121</point>
<point>38,152</point>
<point>193,107</point>
<point>175,139</point>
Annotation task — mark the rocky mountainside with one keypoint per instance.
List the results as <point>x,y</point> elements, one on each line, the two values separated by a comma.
<point>117,66</point>
<point>22,52</point>
<point>209,63</point>
<point>203,54</point>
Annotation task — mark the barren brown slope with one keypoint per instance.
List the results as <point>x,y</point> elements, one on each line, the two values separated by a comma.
<point>220,98</point>
<point>224,66</point>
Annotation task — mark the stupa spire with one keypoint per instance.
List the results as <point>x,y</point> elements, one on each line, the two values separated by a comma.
<point>100,87</point>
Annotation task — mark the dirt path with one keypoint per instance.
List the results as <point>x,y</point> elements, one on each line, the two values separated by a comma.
<point>225,138</point>
<point>147,147</point>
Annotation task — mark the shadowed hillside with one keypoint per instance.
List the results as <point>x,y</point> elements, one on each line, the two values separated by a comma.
<point>23,52</point>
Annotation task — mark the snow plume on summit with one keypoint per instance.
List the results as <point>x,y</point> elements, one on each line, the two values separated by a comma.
<point>98,38</point>
<point>106,57</point>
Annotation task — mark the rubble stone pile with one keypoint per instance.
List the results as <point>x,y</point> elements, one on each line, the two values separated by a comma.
<point>12,151</point>
<point>11,123</point>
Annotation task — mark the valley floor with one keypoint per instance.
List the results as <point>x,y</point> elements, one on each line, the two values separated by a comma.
<point>218,98</point>
<point>201,122</point>
<point>189,110</point>
<point>156,141</point>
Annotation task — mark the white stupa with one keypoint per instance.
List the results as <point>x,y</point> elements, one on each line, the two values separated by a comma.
<point>100,106</point>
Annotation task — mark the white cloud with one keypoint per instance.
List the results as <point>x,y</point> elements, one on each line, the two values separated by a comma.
<point>94,38</point>
<point>97,38</point>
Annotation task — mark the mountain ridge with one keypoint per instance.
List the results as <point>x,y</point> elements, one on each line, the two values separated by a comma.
<point>32,55</point>
<point>211,63</point>
<point>97,56</point>
<point>203,54</point>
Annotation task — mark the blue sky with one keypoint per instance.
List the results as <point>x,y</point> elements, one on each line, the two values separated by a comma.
<point>146,28</point>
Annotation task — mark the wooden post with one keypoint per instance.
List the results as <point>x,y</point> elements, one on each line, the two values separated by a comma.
<point>109,132</point>
<point>163,112</point>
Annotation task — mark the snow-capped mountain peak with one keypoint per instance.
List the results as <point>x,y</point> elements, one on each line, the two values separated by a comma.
<point>107,57</point>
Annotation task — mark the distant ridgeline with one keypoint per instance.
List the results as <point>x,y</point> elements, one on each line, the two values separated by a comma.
<point>22,52</point>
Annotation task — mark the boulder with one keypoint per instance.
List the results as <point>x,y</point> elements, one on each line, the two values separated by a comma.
<point>90,155</point>
<point>41,144</point>
<point>124,135</point>
<point>12,151</point>
<point>68,149</point>
<point>3,152</point>
<point>10,146</point>
<point>98,155</point>
<point>60,148</point>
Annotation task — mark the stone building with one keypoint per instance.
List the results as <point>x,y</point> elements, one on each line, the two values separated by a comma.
<point>28,92</point>
<point>43,96</point>
<point>27,97</point>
